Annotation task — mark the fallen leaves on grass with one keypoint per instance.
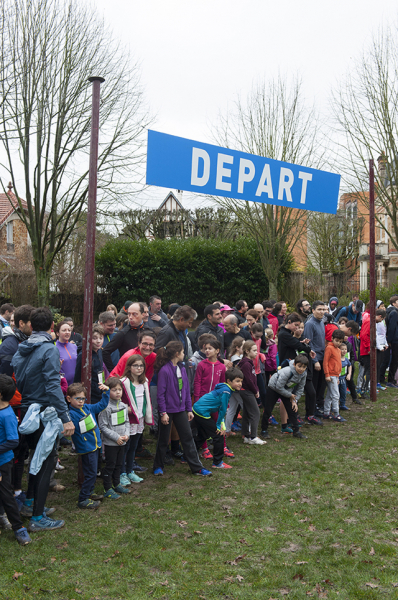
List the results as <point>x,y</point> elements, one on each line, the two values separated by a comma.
<point>236,560</point>
<point>291,548</point>
<point>298,576</point>
<point>312,528</point>
<point>197,532</point>
<point>284,591</point>
<point>239,577</point>
<point>182,523</point>
<point>372,585</point>
<point>372,552</point>
<point>16,575</point>
<point>113,556</point>
<point>302,562</point>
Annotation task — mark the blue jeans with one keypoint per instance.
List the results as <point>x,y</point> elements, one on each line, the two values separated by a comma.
<point>342,390</point>
<point>90,468</point>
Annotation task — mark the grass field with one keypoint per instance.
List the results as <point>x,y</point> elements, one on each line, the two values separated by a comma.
<point>295,519</point>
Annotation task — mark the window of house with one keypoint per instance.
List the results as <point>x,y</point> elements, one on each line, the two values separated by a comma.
<point>10,236</point>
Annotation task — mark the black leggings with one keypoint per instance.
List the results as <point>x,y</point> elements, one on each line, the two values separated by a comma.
<point>113,466</point>
<point>272,398</point>
<point>7,496</point>
<point>38,485</point>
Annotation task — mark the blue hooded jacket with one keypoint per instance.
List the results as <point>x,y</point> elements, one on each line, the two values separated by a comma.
<point>91,440</point>
<point>36,367</point>
<point>214,401</point>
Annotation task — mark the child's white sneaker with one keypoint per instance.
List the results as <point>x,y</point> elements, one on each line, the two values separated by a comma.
<point>256,441</point>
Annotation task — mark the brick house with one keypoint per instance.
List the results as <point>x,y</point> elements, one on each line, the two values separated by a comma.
<point>14,238</point>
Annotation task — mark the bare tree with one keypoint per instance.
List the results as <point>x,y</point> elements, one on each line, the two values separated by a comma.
<point>51,48</point>
<point>272,122</point>
<point>366,117</point>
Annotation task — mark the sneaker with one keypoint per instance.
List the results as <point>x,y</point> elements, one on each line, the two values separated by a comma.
<point>237,424</point>
<point>327,417</point>
<point>357,401</point>
<point>206,454</point>
<point>344,408</point>
<point>339,419</point>
<point>4,522</point>
<point>256,442</point>
<point>144,453</point>
<point>168,459</point>
<point>183,460</point>
<point>124,480</point>
<point>221,465</point>
<point>178,454</point>
<point>27,511</point>
<point>111,494</point>
<point>89,504</point>
<point>120,489</point>
<point>286,429</point>
<point>45,524</point>
<point>381,387</point>
<point>300,421</point>
<point>272,420</point>
<point>204,473</point>
<point>228,452</point>
<point>235,428</point>
<point>22,536</point>
<point>391,385</point>
<point>313,421</point>
<point>139,469</point>
<point>59,467</point>
<point>298,434</point>
<point>96,497</point>
<point>133,478</point>
<point>265,434</point>
<point>246,440</point>
<point>158,471</point>
<point>363,395</point>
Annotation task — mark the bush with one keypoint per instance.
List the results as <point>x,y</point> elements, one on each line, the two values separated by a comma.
<point>382,293</point>
<point>192,271</point>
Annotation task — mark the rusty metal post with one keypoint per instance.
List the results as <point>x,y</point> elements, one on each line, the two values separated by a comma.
<point>90,240</point>
<point>372,284</point>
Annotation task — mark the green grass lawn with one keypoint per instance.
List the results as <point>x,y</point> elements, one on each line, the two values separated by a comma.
<point>295,519</point>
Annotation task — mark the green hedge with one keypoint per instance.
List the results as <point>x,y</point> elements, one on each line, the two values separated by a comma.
<point>193,271</point>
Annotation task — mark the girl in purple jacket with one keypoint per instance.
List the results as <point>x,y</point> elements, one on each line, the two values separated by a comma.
<point>175,406</point>
<point>249,393</point>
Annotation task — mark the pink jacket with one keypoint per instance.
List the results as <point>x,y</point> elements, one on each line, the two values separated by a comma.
<point>270,357</point>
<point>207,376</point>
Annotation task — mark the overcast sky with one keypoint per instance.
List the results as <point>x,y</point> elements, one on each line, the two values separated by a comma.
<point>197,55</point>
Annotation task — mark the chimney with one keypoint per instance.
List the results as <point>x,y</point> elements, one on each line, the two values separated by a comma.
<point>179,195</point>
<point>382,167</point>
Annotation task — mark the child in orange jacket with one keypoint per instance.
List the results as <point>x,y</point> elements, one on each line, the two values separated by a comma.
<point>332,370</point>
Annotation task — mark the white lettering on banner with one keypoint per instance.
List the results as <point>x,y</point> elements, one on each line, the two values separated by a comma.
<point>285,184</point>
<point>245,175</point>
<point>305,177</point>
<point>199,153</point>
<point>223,172</point>
<point>265,183</point>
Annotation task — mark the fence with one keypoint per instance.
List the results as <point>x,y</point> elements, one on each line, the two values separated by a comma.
<point>317,286</point>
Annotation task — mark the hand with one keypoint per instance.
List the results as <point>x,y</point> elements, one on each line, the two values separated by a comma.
<point>294,406</point>
<point>328,379</point>
<point>190,416</point>
<point>221,432</point>
<point>317,366</point>
<point>120,440</point>
<point>258,395</point>
<point>69,429</point>
<point>165,419</point>
<point>306,341</point>
<point>348,377</point>
<point>103,387</point>
<point>312,354</point>
<point>61,361</point>
<point>293,398</point>
<point>228,364</point>
<point>155,317</point>
<point>129,410</point>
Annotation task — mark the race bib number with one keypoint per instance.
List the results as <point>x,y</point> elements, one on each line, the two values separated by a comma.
<point>101,377</point>
<point>291,385</point>
<point>87,424</point>
<point>119,417</point>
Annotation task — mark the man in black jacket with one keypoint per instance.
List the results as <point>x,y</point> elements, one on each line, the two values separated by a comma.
<point>241,309</point>
<point>233,331</point>
<point>392,338</point>
<point>127,339</point>
<point>13,337</point>
<point>175,329</point>
<point>210,325</point>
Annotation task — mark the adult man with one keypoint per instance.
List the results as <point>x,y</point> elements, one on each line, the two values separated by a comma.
<point>210,325</point>
<point>241,309</point>
<point>6,311</point>
<point>353,312</point>
<point>13,337</point>
<point>127,339</point>
<point>303,308</point>
<point>157,318</point>
<point>36,367</point>
<point>107,320</point>
<point>392,338</point>
<point>314,331</point>
<point>261,314</point>
<point>175,329</point>
<point>233,331</point>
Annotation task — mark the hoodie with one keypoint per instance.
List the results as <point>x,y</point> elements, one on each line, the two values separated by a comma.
<point>11,340</point>
<point>169,398</point>
<point>110,432</point>
<point>36,367</point>
<point>392,325</point>
<point>215,401</point>
<point>208,375</point>
<point>287,381</point>
<point>89,441</point>
<point>249,375</point>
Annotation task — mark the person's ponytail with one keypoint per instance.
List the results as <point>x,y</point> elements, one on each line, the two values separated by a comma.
<point>167,353</point>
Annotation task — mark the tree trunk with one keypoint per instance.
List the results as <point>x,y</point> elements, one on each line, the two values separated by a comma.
<point>272,290</point>
<point>43,285</point>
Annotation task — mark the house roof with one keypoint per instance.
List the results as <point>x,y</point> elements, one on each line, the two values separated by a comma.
<point>175,198</point>
<point>9,204</point>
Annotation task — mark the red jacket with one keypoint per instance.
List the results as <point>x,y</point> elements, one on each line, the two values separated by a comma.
<point>274,322</point>
<point>121,365</point>
<point>329,328</point>
<point>207,375</point>
<point>364,348</point>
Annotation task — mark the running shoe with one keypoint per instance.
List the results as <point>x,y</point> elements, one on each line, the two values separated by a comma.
<point>265,434</point>
<point>300,421</point>
<point>272,420</point>
<point>256,441</point>
<point>206,454</point>
<point>221,465</point>
<point>124,480</point>
<point>45,524</point>
<point>228,452</point>
<point>339,419</point>
<point>204,473</point>
<point>286,429</point>
<point>22,536</point>
<point>133,478</point>
<point>111,494</point>
<point>298,434</point>
<point>313,421</point>
<point>120,489</point>
<point>158,471</point>
<point>344,407</point>
<point>93,504</point>
<point>4,522</point>
<point>327,417</point>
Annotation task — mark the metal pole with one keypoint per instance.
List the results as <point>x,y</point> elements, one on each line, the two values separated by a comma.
<point>90,240</point>
<point>372,284</point>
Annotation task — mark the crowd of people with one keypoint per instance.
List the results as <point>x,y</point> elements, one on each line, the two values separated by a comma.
<point>193,388</point>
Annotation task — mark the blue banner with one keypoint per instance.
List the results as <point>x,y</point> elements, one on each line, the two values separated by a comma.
<point>183,164</point>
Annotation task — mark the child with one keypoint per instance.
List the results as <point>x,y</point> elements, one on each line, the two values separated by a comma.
<point>8,441</point>
<point>137,397</point>
<point>235,351</point>
<point>216,401</point>
<point>209,371</point>
<point>249,392</point>
<point>288,384</point>
<point>175,406</point>
<point>99,372</point>
<point>345,375</point>
<point>332,370</point>
<point>198,356</point>
<point>87,437</point>
<point>115,430</point>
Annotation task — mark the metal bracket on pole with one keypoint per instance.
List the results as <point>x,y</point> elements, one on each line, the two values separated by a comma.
<point>372,284</point>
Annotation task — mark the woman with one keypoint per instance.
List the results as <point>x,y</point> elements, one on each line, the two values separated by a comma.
<point>67,350</point>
